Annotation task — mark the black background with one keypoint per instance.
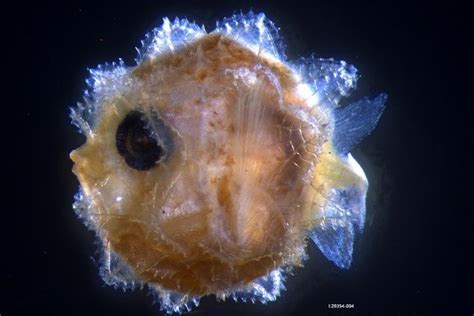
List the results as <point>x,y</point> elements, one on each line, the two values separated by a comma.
<point>416,255</point>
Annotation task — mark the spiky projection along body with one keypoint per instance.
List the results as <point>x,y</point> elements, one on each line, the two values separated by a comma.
<point>210,163</point>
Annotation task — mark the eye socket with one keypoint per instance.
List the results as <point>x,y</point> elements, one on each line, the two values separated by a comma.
<point>135,143</point>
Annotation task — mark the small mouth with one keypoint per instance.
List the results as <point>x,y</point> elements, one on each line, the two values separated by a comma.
<point>82,168</point>
<point>75,156</point>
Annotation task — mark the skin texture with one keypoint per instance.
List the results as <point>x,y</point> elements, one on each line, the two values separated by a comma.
<point>248,163</point>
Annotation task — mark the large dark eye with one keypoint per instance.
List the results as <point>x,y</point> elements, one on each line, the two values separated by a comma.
<point>135,143</point>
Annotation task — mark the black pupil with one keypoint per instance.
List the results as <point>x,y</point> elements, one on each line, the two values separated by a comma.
<point>135,144</point>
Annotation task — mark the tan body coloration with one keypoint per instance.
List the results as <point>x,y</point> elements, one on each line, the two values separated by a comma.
<point>233,198</point>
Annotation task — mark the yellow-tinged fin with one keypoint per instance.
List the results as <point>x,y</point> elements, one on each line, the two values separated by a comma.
<point>332,171</point>
<point>336,205</point>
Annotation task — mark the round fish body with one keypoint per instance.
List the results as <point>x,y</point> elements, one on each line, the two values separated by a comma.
<point>209,164</point>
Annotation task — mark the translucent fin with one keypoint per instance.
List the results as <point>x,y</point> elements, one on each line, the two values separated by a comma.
<point>352,123</point>
<point>335,240</point>
<point>343,214</point>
